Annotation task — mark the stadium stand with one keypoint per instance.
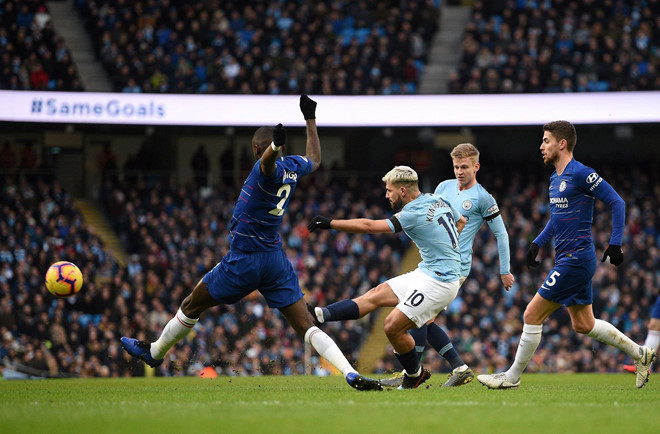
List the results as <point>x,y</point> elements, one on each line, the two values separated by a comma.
<point>561,46</point>
<point>277,47</point>
<point>176,232</point>
<point>33,55</point>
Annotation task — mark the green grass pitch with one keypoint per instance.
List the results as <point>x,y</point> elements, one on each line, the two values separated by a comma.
<point>545,403</point>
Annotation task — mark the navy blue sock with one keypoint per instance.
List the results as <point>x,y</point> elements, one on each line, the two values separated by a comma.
<point>419,335</point>
<point>441,343</point>
<point>341,311</point>
<point>409,361</point>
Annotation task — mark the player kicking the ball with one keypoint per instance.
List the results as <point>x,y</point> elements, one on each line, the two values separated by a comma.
<point>433,224</point>
<point>477,206</point>
<point>256,259</point>
<point>573,188</point>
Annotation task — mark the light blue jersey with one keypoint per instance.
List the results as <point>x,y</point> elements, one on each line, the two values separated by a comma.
<point>430,221</point>
<point>477,206</point>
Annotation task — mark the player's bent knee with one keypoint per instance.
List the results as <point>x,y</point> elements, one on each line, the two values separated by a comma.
<point>583,329</point>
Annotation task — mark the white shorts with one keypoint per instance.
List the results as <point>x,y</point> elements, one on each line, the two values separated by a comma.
<point>421,297</point>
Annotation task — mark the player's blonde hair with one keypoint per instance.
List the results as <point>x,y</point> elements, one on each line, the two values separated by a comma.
<point>402,175</point>
<point>465,150</point>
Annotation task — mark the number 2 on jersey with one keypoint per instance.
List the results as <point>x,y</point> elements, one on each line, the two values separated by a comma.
<point>283,192</point>
<point>451,229</point>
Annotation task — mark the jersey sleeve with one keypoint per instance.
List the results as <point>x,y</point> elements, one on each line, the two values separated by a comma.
<point>594,185</point>
<point>297,164</point>
<point>545,235</point>
<point>488,207</point>
<point>499,230</point>
<point>401,221</point>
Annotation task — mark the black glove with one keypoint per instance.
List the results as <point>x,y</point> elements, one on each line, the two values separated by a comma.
<point>615,253</point>
<point>279,135</point>
<point>531,256</point>
<point>318,222</point>
<point>307,107</point>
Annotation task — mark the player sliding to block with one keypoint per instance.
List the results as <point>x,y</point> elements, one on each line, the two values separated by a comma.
<point>256,259</point>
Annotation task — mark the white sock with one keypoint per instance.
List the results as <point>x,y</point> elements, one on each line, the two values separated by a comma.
<point>328,349</point>
<point>607,333</point>
<point>529,342</point>
<point>175,330</point>
<point>653,339</point>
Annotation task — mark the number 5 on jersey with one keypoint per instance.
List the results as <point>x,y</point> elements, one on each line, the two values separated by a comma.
<point>552,278</point>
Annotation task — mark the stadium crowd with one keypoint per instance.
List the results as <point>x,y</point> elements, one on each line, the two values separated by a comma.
<point>515,46</point>
<point>33,55</point>
<point>177,232</point>
<point>255,47</point>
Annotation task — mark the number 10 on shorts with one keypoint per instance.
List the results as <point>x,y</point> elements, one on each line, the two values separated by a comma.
<point>415,299</point>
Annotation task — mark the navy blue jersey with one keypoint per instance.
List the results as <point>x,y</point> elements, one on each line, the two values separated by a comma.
<point>262,203</point>
<point>572,196</point>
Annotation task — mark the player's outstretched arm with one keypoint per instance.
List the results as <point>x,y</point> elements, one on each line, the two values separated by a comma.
<point>356,226</point>
<point>313,150</point>
<point>269,156</point>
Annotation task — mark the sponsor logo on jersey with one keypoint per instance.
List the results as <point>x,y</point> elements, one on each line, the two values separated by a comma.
<point>467,205</point>
<point>290,175</point>
<point>562,186</point>
<point>493,209</point>
<point>594,179</point>
<point>559,202</point>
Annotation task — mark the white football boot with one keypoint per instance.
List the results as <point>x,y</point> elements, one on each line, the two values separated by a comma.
<point>497,381</point>
<point>643,365</point>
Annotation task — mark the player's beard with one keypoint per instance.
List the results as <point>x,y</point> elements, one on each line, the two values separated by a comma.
<point>551,159</point>
<point>397,204</point>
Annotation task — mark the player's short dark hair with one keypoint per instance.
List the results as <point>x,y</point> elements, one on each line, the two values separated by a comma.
<point>563,130</point>
<point>262,138</point>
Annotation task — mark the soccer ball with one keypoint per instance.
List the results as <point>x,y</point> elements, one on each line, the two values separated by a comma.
<point>63,279</point>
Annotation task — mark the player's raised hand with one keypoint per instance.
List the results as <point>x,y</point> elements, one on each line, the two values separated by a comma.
<point>318,222</point>
<point>307,107</point>
<point>279,135</point>
<point>531,256</point>
<point>615,253</point>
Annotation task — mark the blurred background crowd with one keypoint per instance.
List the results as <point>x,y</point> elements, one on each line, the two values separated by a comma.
<point>174,232</point>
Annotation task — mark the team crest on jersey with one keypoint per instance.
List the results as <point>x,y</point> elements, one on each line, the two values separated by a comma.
<point>562,186</point>
<point>467,205</point>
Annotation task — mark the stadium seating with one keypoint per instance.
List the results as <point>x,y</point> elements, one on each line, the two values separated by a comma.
<point>560,46</point>
<point>33,55</point>
<point>278,47</point>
